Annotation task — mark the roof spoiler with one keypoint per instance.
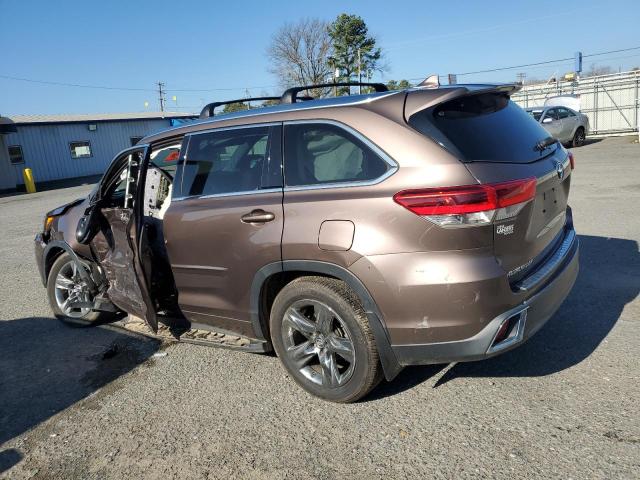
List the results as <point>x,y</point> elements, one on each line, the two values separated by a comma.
<point>291,95</point>
<point>420,99</point>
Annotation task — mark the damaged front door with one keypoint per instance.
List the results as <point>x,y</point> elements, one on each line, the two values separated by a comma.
<point>112,224</point>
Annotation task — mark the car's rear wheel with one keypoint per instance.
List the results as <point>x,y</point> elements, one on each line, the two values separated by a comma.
<point>66,286</point>
<point>578,138</point>
<point>321,334</point>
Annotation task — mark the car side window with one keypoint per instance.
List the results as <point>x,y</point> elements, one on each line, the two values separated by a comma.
<point>317,153</point>
<point>552,114</point>
<point>225,162</point>
<point>563,113</point>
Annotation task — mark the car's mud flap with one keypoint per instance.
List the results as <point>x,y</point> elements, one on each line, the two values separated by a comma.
<point>113,249</point>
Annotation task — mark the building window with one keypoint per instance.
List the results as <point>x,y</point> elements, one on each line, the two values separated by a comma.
<point>80,149</point>
<point>15,154</point>
<point>135,140</point>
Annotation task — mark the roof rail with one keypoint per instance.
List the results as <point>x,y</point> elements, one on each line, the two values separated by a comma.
<point>291,94</point>
<point>208,110</point>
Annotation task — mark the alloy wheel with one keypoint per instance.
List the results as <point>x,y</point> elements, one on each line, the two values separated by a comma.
<point>71,288</point>
<point>318,343</point>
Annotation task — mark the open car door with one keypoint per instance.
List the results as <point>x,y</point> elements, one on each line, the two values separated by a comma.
<point>111,226</point>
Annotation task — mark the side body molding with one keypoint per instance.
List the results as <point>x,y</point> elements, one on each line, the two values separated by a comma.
<point>390,364</point>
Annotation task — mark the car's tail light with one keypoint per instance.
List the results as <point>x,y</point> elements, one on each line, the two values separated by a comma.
<point>572,161</point>
<point>469,204</point>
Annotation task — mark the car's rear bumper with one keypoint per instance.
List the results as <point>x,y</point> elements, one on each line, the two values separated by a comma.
<point>529,316</point>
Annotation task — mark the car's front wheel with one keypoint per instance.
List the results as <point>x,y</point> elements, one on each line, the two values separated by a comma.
<point>321,334</point>
<point>66,288</point>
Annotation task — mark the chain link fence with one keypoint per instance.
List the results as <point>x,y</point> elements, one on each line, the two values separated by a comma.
<point>610,101</point>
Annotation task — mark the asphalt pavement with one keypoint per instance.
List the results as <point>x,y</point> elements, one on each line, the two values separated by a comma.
<point>102,403</point>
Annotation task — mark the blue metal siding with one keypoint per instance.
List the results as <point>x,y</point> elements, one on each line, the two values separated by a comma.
<point>45,148</point>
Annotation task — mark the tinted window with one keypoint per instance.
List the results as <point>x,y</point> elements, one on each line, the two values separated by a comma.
<point>551,113</point>
<point>487,127</point>
<point>536,114</point>
<point>323,153</point>
<point>225,162</point>
<point>563,113</point>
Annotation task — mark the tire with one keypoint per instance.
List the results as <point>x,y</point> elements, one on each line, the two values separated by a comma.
<point>578,138</point>
<point>76,316</point>
<point>320,332</point>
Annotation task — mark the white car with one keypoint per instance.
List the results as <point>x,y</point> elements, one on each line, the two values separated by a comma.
<point>562,123</point>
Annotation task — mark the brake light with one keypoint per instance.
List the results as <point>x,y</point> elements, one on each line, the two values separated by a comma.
<point>572,161</point>
<point>469,204</point>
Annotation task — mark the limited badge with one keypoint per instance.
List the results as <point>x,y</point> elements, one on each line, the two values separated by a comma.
<point>505,229</point>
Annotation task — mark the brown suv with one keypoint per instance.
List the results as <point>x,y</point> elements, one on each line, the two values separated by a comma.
<point>352,235</point>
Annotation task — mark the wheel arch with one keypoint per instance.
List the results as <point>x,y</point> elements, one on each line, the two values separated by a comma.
<point>272,277</point>
<point>52,251</point>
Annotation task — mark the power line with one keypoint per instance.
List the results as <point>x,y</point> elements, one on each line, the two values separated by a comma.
<point>76,85</point>
<point>223,89</point>
<point>612,51</point>
<point>547,62</point>
<point>220,89</point>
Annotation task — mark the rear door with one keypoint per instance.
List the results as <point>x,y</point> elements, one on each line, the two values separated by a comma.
<point>568,120</point>
<point>225,222</point>
<point>551,122</point>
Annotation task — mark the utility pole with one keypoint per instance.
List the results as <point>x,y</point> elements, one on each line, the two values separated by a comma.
<point>161,93</point>
<point>359,73</point>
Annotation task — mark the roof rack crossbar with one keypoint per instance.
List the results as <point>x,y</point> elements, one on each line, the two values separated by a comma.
<point>291,95</point>
<point>208,110</point>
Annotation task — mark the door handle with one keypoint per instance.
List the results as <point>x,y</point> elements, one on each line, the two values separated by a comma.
<point>258,216</point>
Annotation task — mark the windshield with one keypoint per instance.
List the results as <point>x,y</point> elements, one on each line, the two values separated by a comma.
<point>485,127</point>
<point>536,114</point>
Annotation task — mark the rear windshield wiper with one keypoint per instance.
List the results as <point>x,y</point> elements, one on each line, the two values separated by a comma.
<point>547,142</point>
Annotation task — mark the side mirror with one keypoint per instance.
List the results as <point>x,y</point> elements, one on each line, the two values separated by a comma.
<point>547,120</point>
<point>87,225</point>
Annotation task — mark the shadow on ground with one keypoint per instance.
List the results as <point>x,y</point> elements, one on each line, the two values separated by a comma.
<point>609,278</point>
<point>9,458</point>
<point>47,366</point>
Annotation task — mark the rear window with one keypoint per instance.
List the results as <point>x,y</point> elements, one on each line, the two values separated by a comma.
<point>327,154</point>
<point>487,127</point>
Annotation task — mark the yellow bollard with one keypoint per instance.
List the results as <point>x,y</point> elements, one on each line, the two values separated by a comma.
<point>29,184</point>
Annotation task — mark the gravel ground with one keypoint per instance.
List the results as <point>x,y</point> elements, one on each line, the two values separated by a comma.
<point>564,405</point>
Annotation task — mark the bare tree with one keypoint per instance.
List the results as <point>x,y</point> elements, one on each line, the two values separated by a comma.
<point>595,70</point>
<point>298,53</point>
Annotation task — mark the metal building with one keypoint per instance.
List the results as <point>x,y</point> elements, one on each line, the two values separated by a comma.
<point>58,147</point>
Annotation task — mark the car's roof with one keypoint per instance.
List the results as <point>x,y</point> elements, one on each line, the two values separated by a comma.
<point>330,102</point>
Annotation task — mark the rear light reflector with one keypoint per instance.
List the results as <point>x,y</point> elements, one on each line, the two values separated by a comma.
<point>572,161</point>
<point>469,204</point>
